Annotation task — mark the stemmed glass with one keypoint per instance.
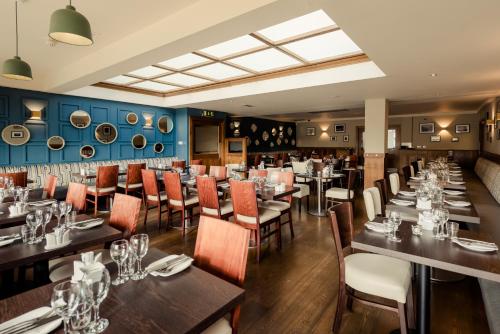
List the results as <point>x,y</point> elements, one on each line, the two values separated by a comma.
<point>81,318</point>
<point>62,209</point>
<point>139,244</point>
<point>47,216</point>
<point>395,220</point>
<point>57,212</point>
<point>65,299</point>
<point>32,225</point>
<point>2,195</point>
<point>69,206</point>
<point>98,291</point>
<point>39,219</point>
<point>119,253</point>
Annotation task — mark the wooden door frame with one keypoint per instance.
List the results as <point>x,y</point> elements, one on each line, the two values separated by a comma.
<point>193,120</point>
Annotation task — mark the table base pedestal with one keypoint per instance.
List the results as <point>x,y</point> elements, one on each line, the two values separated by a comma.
<point>316,212</point>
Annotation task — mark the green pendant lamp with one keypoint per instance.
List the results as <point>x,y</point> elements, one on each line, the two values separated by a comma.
<point>15,68</point>
<point>70,27</point>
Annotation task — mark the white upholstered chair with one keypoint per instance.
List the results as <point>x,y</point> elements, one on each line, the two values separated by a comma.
<point>373,202</point>
<point>394,182</point>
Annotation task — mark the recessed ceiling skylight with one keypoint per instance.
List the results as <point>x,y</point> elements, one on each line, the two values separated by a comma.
<point>233,46</point>
<point>156,86</point>
<point>187,60</point>
<point>218,71</point>
<point>121,80</point>
<point>330,45</point>
<point>265,60</point>
<point>183,80</point>
<point>149,72</point>
<point>301,25</point>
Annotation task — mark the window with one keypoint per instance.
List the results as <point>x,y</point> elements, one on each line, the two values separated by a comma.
<point>391,139</point>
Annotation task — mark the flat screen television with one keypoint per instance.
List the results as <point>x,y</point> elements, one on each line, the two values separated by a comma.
<point>235,147</point>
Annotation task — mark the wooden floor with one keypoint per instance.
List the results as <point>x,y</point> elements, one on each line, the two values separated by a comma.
<point>295,290</point>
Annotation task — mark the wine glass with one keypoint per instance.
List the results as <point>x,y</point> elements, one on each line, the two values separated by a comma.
<point>81,318</point>
<point>65,299</point>
<point>98,289</point>
<point>39,218</point>
<point>62,210</point>
<point>2,195</point>
<point>31,222</point>
<point>395,219</point>
<point>119,253</point>
<point>139,244</point>
<point>69,207</point>
<point>57,212</point>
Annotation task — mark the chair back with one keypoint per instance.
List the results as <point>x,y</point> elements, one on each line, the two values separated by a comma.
<point>150,183</point>
<point>318,166</point>
<point>373,202</point>
<point>299,167</point>
<point>76,195</point>
<point>406,173</point>
<point>50,185</point>
<point>207,196</point>
<point>257,160</point>
<point>287,178</point>
<point>342,227</point>
<point>415,166</point>
<point>219,172</point>
<point>412,170</point>
<point>382,187</point>
<point>107,176</point>
<point>134,175</point>
<point>351,178</point>
<point>244,200</point>
<point>125,214</point>
<point>257,173</point>
<point>179,164</point>
<point>196,162</point>
<point>421,164</point>
<point>199,169</point>
<point>272,174</point>
<point>20,178</point>
<point>394,182</point>
<point>173,186</point>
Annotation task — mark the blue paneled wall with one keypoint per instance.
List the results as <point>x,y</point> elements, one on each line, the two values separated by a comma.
<point>55,121</point>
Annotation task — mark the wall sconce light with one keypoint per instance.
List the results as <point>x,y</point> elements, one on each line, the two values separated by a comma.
<point>33,110</point>
<point>180,142</point>
<point>148,120</point>
<point>236,124</point>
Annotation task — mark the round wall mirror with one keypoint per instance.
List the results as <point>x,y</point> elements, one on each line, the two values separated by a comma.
<point>16,135</point>
<point>80,119</point>
<point>56,143</point>
<point>106,133</point>
<point>87,151</point>
<point>165,124</point>
<point>132,118</point>
<point>139,142</point>
<point>158,147</point>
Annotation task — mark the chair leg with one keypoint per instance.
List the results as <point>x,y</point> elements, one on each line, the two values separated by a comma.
<point>159,216</point>
<point>307,202</point>
<point>257,241</point>
<point>95,205</point>
<point>146,215</point>
<point>278,233</point>
<point>341,304</point>
<point>300,206</point>
<point>183,217</point>
<point>402,318</point>
<point>291,224</point>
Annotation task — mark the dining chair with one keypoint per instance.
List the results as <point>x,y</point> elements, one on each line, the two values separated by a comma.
<point>406,173</point>
<point>257,160</point>
<point>210,205</point>
<point>105,185</point>
<point>152,195</point>
<point>176,202</point>
<point>272,174</point>
<point>282,205</point>
<point>179,164</point>
<point>394,183</point>
<point>219,172</point>
<point>372,274</point>
<point>257,173</point>
<point>381,184</point>
<point>77,195</point>
<point>343,194</point>
<point>133,180</point>
<point>20,179</point>
<point>199,169</point>
<point>304,190</point>
<point>50,185</point>
<point>373,203</point>
<point>415,166</point>
<point>412,170</point>
<point>124,217</point>
<point>222,250</point>
<point>421,163</point>
<point>249,215</point>
<point>300,167</point>
<point>196,162</point>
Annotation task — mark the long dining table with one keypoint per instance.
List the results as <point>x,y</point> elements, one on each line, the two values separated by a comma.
<point>187,302</point>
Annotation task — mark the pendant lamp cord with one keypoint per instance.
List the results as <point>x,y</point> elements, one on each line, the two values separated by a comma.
<point>17,35</point>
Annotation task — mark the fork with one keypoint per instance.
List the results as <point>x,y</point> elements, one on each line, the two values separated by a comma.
<point>172,266</point>
<point>167,264</point>
<point>26,323</point>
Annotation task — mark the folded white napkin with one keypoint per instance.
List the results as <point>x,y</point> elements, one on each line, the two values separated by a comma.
<point>7,242</point>
<point>45,329</point>
<point>90,267</point>
<point>376,227</point>
<point>453,192</point>
<point>417,178</point>
<point>88,224</point>
<point>42,203</point>
<point>456,182</point>
<point>402,202</point>
<point>51,239</point>
<point>476,245</point>
<point>174,270</point>
<point>408,193</point>
<point>457,203</point>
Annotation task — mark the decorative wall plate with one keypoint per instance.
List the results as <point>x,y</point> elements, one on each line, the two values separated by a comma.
<point>253,127</point>
<point>265,135</point>
<point>16,134</point>
<point>231,125</point>
<point>293,142</point>
<point>106,133</point>
<point>165,124</point>
<point>158,147</point>
<point>274,132</point>
<point>56,143</point>
<point>289,130</point>
<point>278,141</point>
<point>257,142</point>
<point>87,151</point>
<point>132,118</point>
<point>80,119</point>
<point>139,141</point>
<point>286,140</point>
<point>236,133</point>
<point>271,144</point>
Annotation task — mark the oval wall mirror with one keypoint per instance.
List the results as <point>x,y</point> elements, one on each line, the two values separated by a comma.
<point>80,119</point>
<point>139,142</point>
<point>132,118</point>
<point>106,133</point>
<point>265,135</point>
<point>158,147</point>
<point>16,134</point>
<point>274,132</point>
<point>87,151</point>
<point>56,143</point>
<point>165,124</point>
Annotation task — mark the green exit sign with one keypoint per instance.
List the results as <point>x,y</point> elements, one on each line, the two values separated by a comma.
<point>207,113</point>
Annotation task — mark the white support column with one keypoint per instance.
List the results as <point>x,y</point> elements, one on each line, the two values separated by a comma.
<point>375,139</point>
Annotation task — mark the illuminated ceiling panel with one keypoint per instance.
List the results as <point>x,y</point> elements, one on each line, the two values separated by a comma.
<point>261,61</point>
<point>233,46</point>
<point>183,80</point>
<point>184,61</point>
<point>121,80</point>
<point>149,72</point>
<point>154,86</point>
<point>218,71</point>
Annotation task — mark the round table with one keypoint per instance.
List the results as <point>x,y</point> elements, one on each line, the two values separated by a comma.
<point>319,210</point>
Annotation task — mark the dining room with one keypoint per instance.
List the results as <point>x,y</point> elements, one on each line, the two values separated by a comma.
<point>264,166</point>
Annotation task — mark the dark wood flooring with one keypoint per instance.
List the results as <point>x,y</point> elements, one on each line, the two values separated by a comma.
<point>295,290</point>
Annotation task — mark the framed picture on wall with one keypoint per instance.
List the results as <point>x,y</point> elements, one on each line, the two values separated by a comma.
<point>311,131</point>
<point>454,139</point>
<point>435,138</point>
<point>346,138</point>
<point>339,128</point>
<point>426,127</point>
<point>462,128</point>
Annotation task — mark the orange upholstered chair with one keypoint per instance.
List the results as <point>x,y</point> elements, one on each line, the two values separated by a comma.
<point>209,199</point>
<point>219,172</point>
<point>179,164</point>
<point>152,195</point>
<point>20,178</point>
<point>257,172</point>
<point>105,185</point>
<point>125,214</point>
<point>133,182</point>
<point>222,249</point>
<point>50,186</point>
<point>199,169</point>
<point>196,162</point>
<point>76,195</point>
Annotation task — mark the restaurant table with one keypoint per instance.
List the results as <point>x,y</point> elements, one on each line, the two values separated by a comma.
<point>166,168</point>
<point>93,174</point>
<point>270,194</point>
<point>188,302</point>
<point>320,178</point>
<point>6,220</point>
<point>461,214</point>
<point>427,252</point>
<point>414,184</point>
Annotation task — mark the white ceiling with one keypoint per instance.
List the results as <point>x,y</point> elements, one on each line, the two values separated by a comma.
<point>407,40</point>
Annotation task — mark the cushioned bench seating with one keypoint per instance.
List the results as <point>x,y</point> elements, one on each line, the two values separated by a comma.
<point>489,173</point>
<point>63,171</point>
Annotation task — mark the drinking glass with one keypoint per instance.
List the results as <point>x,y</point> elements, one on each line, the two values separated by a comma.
<point>62,210</point>
<point>443,219</point>
<point>47,216</point>
<point>81,318</point>
<point>2,195</point>
<point>139,244</point>
<point>31,223</point>
<point>452,228</point>
<point>119,253</point>
<point>98,289</point>
<point>57,212</point>
<point>25,234</point>
<point>69,206</point>
<point>65,299</point>
<point>38,222</point>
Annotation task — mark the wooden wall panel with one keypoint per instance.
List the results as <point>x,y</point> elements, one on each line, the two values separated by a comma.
<point>374,168</point>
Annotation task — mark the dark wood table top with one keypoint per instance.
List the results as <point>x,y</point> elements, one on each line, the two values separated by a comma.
<point>188,302</point>
<point>462,214</point>
<point>426,250</point>
<point>7,221</point>
<point>166,168</point>
<point>93,174</point>
<point>269,193</point>
<point>335,175</point>
<point>416,183</point>
<point>17,254</point>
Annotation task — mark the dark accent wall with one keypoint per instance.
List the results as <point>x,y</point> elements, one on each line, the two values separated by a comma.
<point>288,141</point>
<point>55,121</point>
